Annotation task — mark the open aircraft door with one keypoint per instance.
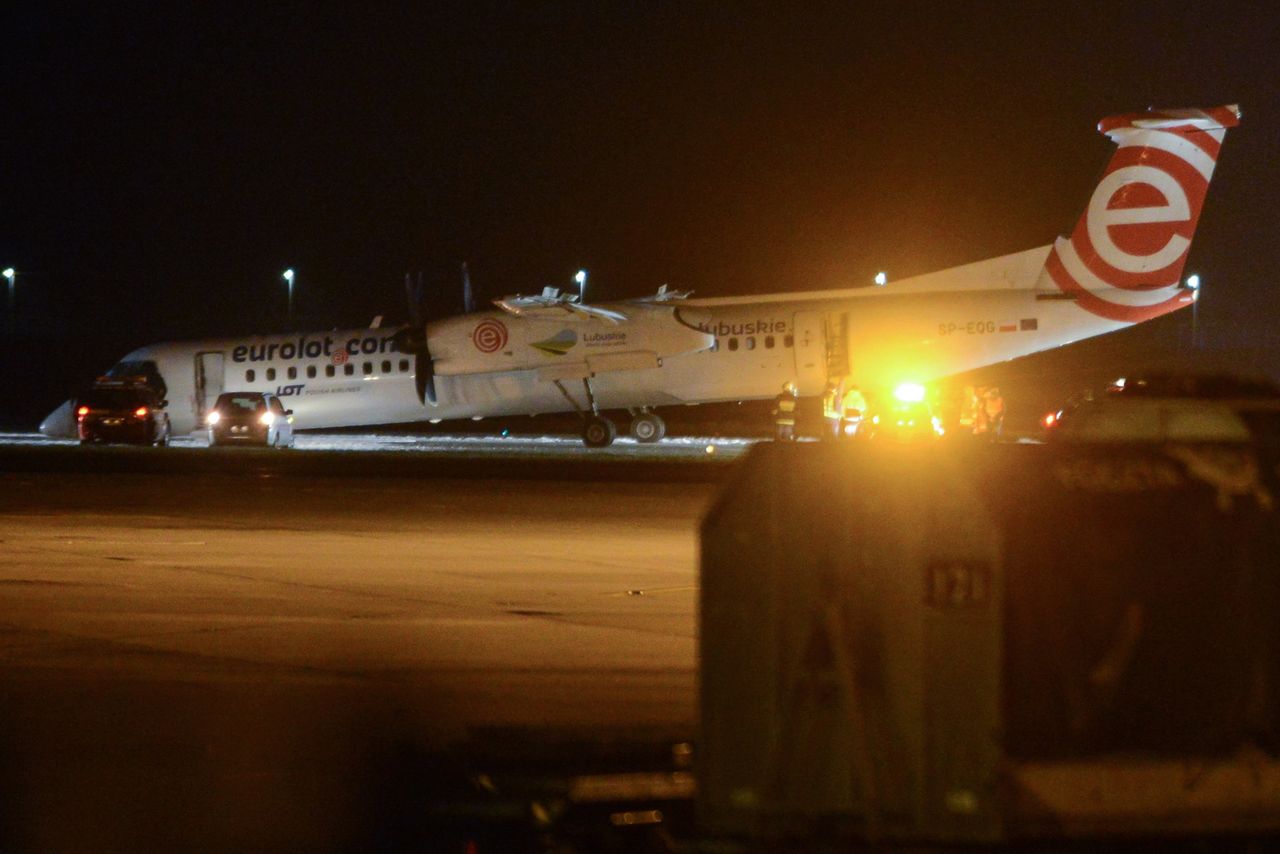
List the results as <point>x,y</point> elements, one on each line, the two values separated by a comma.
<point>811,351</point>
<point>209,381</point>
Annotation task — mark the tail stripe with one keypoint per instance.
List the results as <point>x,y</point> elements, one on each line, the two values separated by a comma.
<point>1180,146</point>
<point>1124,260</point>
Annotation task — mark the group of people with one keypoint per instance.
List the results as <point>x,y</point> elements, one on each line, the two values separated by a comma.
<point>843,411</point>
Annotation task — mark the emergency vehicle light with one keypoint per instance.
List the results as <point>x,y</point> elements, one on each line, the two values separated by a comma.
<point>909,392</point>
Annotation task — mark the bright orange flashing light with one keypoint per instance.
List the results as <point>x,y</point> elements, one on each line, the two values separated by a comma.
<point>1050,419</point>
<point>82,412</point>
<point>909,392</point>
<point>141,412</point>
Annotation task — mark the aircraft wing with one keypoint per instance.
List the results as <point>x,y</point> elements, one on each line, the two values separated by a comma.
<point>551,304</point>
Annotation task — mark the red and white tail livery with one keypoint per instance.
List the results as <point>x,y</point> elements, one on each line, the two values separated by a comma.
<point>550,353</point>
<point>1125,258</point>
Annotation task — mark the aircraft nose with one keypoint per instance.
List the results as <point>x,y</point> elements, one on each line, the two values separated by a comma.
<point>60,424</point>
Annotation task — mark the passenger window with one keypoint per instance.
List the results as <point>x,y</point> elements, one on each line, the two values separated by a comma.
<point>789,341</point>
<point>293,373</point>
<point>386,367</point>
<point>368,369</point>
<point>768,342</point>
<point>404,366</point>
<point>733,343</point>
<point>249,375</point>
<point>330,370</point>
<point>750,342</point>
<point>311,372</point>
<point>349,369</point>
<point>271,373</point>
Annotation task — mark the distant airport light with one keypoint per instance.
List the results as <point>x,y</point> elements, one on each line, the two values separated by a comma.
<point>10,273</point>
<point>288,277</point>
<point>581,278</point>
<point>909,392</point>
<point>1193,281</point>
<point>882,278</point>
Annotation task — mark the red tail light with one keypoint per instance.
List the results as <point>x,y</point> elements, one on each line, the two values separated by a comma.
<point>141,412</point>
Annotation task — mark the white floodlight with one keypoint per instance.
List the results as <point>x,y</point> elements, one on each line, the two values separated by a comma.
<point>882,278</point>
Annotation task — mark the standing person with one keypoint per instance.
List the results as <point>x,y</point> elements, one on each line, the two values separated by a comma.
<point>833,410</point>
<point>784,413</point>
<point>993,408</point>
<point>853,409</point>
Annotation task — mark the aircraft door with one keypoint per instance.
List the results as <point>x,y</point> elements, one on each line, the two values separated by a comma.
<point>209,381</point>
<point>811,351</point>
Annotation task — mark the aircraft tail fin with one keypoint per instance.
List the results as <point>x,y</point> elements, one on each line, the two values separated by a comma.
<point>1124,260</point>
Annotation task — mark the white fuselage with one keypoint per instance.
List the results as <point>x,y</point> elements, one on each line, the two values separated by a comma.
<point>876,337</point>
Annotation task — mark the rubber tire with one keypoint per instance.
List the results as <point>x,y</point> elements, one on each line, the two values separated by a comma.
<point>648,428</point>
<point>598,432</point>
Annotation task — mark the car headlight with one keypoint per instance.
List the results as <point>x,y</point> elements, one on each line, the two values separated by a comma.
<point>267,418</point>
<point>213,418</point>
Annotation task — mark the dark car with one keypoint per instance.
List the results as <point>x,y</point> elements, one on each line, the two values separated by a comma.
<point>122,411</point>
<point>1172,408</point>
<point>250,418</point>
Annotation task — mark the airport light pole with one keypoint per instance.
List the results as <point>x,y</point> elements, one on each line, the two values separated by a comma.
<point>581,278</point>
<point>288,277</point>
<point>10,274</point>
<point>1193,284</point>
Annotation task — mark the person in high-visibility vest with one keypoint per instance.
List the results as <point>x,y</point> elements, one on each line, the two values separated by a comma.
<point>833,410</point>
<point>993,410</point>
<point>784,413</point>
<point>853,409</point>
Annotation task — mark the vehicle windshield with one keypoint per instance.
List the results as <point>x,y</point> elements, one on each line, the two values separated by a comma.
<point>240,404</point>
<point>145,369</point>
<point>116,398</point>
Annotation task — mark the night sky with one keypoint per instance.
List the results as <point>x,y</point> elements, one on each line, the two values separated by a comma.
<point>164,164</point>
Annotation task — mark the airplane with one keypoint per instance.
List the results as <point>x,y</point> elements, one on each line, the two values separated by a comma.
<point>552,352</point>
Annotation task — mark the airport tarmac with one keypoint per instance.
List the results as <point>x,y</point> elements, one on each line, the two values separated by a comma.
<point>253,657</point>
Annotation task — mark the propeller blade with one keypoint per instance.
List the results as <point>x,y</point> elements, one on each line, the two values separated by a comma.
<point>424,377</point>
<point>467,305</point>
<point>412,339</point>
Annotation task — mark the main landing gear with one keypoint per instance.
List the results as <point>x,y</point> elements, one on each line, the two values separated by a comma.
<point>599,432</point>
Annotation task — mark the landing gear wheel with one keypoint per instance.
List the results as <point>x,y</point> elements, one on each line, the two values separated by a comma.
<point>598,432</point>
<point>647,428</point>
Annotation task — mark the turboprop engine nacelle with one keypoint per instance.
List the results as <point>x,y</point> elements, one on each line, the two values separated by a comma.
<point>564,346</point>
